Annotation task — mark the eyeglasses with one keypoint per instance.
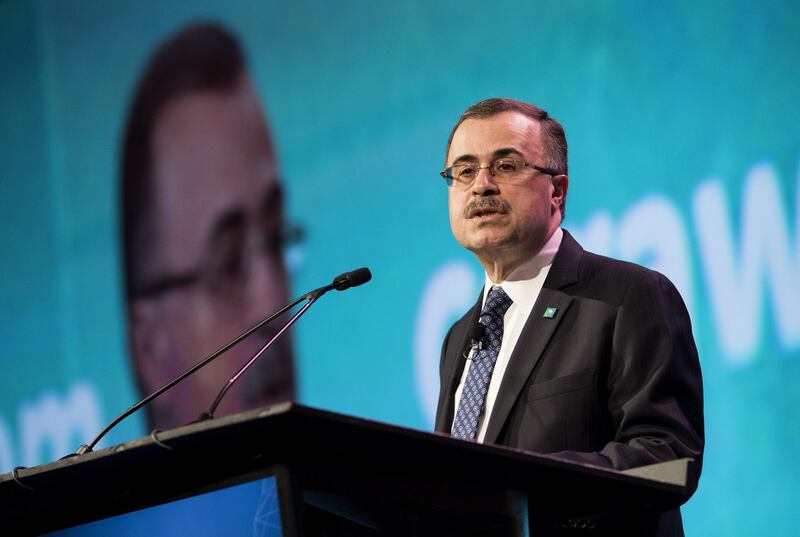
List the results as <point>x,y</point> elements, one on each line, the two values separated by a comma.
<point>226,263</point>
<point>504,170</point>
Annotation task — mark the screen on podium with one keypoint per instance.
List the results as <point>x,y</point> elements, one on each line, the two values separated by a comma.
<point>250,508</point>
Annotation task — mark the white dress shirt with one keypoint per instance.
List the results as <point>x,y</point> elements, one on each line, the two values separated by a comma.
<point>522,286</point>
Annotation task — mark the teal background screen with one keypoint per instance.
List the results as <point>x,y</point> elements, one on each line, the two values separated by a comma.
<point>682,119</point>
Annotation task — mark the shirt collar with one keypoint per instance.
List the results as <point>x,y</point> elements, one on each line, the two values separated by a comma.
<point>530,273</point>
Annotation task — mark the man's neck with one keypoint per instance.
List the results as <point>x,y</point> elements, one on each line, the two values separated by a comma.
<point>500,267</point>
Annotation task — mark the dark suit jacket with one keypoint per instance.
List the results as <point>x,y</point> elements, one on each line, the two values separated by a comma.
<point>612,380</point>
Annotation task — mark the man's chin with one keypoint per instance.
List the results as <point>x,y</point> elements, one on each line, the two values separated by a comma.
<point>488,232</point>
<point>488,243</point>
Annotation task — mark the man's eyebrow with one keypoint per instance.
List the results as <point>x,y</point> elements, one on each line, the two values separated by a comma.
<point>234,220</point>
<point>273,197</point>
<point>496,154</point>
<point>231,221</point>
<point>465,158</point>
<point>505,151</point>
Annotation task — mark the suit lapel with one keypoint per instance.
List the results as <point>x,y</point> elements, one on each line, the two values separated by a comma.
<point>536,334</point>
<point>454,365</point>
<point>530,346</point>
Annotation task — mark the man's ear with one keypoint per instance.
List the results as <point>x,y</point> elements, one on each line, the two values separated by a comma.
<point>560,188</point>
<point>148,343</point>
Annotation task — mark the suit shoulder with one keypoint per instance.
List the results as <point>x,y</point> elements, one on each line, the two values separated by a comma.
<point>623,277</point>
<point>462,321</point>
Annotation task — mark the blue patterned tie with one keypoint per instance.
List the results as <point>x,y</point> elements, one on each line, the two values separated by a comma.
<point>473,395</point>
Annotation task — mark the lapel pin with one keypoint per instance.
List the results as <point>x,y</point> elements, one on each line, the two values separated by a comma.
<point>550,312</point>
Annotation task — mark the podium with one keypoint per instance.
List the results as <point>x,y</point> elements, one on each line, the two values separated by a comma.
<point>330,475</point>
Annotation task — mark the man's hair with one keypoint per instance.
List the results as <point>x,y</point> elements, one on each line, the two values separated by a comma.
<point>200,57</point>
<point>553,138</point>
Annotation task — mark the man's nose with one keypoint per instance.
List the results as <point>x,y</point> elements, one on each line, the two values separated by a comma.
<point>484,183</point>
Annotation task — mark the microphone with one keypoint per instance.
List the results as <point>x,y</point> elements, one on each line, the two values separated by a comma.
<point>341,282</point>
<point>476,335</point>
<point>352,279</point>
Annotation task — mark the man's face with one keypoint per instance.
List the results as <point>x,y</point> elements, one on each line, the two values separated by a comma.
<point>218,218</point>
<point>502,220</point>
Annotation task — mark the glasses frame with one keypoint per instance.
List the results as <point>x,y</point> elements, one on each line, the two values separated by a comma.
<point>291,235</point>
<point>447,173</point>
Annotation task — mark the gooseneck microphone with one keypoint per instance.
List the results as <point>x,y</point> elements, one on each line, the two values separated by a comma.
<point>340,283</point>
<point>349,279</point>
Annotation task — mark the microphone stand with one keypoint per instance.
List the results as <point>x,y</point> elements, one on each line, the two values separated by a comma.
<point>311,297</point>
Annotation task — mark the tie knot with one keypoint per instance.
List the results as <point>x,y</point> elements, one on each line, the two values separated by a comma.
<point>497,303</point>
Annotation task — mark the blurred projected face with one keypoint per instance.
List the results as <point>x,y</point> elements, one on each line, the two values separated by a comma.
<point>218,266</point>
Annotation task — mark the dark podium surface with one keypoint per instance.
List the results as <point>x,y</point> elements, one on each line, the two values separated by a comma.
<point>337,475</point>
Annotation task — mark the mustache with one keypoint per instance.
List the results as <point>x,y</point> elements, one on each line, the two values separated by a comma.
<point>478,205</point>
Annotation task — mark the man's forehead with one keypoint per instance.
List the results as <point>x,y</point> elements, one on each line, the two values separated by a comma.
<point>212,155</point>
<point>478,138</point>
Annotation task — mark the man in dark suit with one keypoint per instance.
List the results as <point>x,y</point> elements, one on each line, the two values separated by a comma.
<point>568,353</point>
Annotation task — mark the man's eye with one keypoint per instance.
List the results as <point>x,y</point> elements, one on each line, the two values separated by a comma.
<point>466,171</point>
<point>506,166</point>
<point>232,264</point>
<point>274,241</point>
<point>227,262</point>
